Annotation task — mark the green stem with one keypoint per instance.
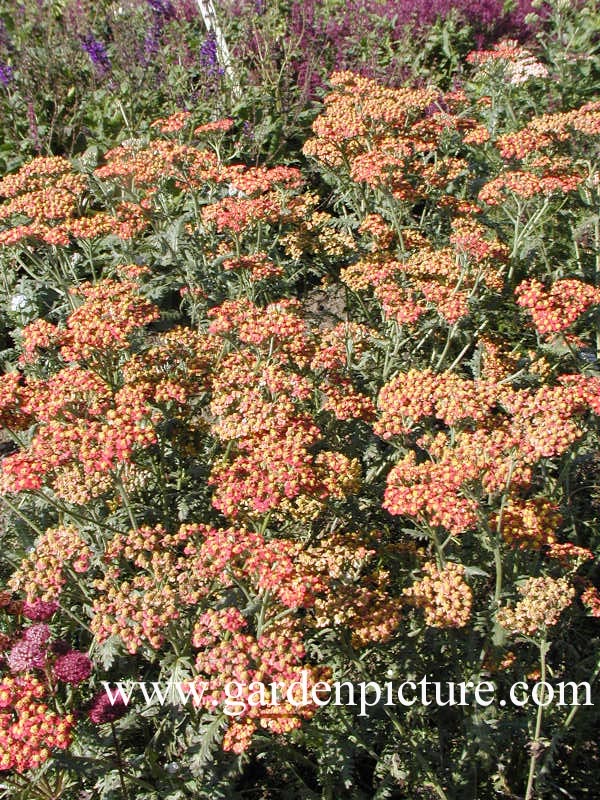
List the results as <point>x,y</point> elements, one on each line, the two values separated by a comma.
<point>533,761</point>
<point>126,502</point>
<point>119,760</point>
<point>20,514</point>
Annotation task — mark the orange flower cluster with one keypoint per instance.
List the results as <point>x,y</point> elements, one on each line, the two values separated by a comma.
<point>311,232</point>
<point>258,180</point>
<point>529,524</point>
<point>112,311</point>
<point>139,609</point>
<point>570,556</point>
<point>443,280</point>
<point>57,202</point>
<point>258,266</point>
<point>34,175</point>
<point>357,593</point>
<point>238,214</point>
<point>143,167</point>
<point>519,63</point>
<point>497,450</point>
<point>590,598</point>
<point>411,396</point>
<point>86,425</point>
<point>43,572</point>
<point>548,130</point>
<point>172,124</point>
<point>39,335</point>
<point>430,492</point>
<point>385,137</point>
<point>275,655</point>
<point>443,594</point>
<point>218,126</point>
<point>29,729</point>
<point>51,196</point>
<point>543,601</point>
<point>151,577</point>
<point>178,570</point>
<point>258,397</point>
<point>497,364</point>
<point>12,398</point>
<point>555,309</point>
<point>525,185</point>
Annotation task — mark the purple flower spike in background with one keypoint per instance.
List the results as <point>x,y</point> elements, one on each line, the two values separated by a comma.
<point>6,74</point>
<point>97,52</point>
<point>152,41</point>
<point>208,56</point>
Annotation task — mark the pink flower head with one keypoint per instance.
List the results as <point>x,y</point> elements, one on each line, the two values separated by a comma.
<point>103,710</point>
<point>39,610</point>
<point>25,656</point>
<point>37,635</point>
<point>73,667</point>
<point>30,651</point>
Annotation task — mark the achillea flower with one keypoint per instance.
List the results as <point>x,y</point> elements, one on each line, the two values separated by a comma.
<point>172,124</point>
<point>30,730</point>
<point>590,598</point>
<point>543,601</point>
<point>40,574</point>
<point>570,556</point>
<point>549,129</point>
<point>555,309</point>
<point>30,652</point>
<point>528,524</point>
<point>37,634</point>
<point>102,710</point>
<point>443,594</point>
<point>520,64</point>
<point>218,126</point>
<point>72,667</point>
<point>40,610</point>
<point>527,185</point>
<point>112,311</point>
<point>38,335</point>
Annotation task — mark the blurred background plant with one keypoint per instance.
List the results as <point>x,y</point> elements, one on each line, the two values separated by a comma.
<point>75,72</point>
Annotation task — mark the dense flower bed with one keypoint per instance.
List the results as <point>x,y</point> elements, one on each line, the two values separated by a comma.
<point>263,427</point>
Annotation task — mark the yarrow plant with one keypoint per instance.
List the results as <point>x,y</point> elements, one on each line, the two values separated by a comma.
<point>262,430</point>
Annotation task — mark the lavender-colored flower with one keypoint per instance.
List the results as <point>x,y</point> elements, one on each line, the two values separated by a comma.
<point>151,41</point>
<point>97,53</point>
<point>40,610</point>
<point>209,58</point>
<point>73,667</point>
<point>6,74</point>
<point>102,710</point>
